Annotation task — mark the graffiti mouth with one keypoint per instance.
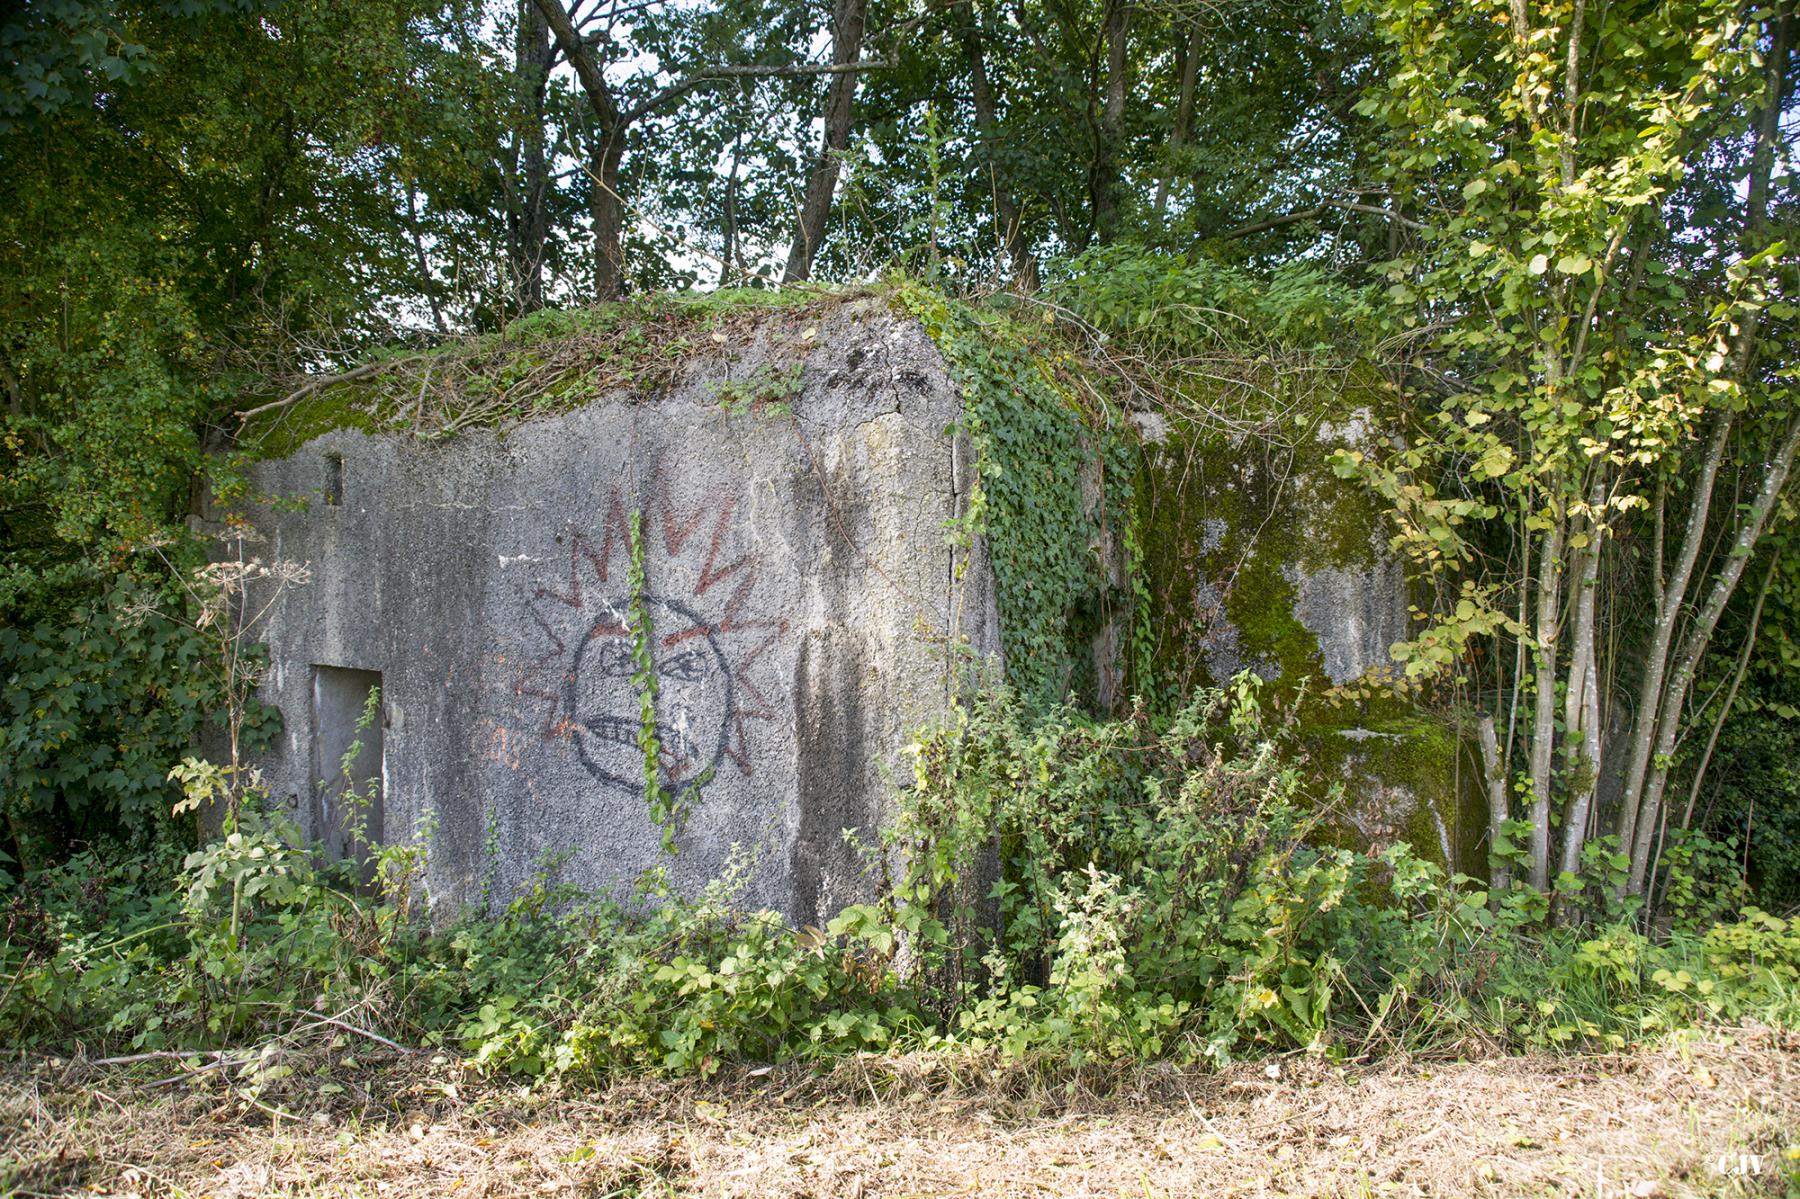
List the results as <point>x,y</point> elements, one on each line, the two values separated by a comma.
<point>617,730</point>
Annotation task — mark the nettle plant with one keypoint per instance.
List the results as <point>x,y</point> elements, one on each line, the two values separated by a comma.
<point>1598,394</point>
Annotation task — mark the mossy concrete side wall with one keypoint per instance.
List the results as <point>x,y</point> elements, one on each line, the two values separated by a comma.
<point>1258,557</point>
<point>799,588</point>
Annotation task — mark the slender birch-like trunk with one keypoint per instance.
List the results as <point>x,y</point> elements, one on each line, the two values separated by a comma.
<point>1774,479</point>
<point>1662,696</point>
<point>1737,680</point>
<point>1543,721</point>
<point>1656,658</point>
<point>1499,805</point>
<point>1581,695</point>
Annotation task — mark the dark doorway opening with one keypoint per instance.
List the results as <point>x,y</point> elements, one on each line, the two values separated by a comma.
<point>347,758</point>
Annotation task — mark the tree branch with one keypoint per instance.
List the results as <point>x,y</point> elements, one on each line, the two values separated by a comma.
<point>581,56</point>
<point>1319,210</point>
<point>713,74</point>
<point>312,385</point>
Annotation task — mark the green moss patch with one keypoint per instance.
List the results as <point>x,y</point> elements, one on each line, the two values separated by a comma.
<point>1224,524</point>
<point>1222,520</point>
<point>1405,778</point>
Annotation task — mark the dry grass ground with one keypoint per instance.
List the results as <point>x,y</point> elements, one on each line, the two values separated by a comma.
<point>1711,1116</point>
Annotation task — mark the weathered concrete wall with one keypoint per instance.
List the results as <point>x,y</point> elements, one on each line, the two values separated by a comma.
<point>798,585</point>
<point>1263,559</point>
<point>1260,558</point>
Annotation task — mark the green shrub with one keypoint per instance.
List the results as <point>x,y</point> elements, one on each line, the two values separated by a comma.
<point>101,694</point>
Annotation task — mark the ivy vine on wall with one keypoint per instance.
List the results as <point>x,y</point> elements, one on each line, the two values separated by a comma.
<point>1036,436</point>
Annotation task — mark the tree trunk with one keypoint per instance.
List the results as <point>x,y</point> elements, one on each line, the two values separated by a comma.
<point>847,18</point>
<point>1493,768</point>
<point>530,227</point>
<point>15,390</point>
<point>1636,825</point>
<point>606,206</point>
<point>1775,475</point>
<point>1184,116</point>
<point>1768,125</point>
<point>1006,209</point>
<point>1111,135</point>
<point>608,210</point>
<point>1581,694</point>
<point>1543,728</point>
<point>1656,661</point>
<point>426,283</point>
<point>1737,680</point>
<point>728,258</point>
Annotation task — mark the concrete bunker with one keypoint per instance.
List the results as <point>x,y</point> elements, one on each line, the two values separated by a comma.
<point>775,501</point>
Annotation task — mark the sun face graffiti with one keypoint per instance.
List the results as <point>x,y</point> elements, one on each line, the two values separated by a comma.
<point>706,643</point>
<point>694,698</point>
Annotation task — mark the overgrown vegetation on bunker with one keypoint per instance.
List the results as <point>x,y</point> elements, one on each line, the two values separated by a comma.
<point>551,361</point>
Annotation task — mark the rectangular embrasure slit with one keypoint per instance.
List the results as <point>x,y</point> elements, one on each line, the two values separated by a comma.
<point>334,479</point>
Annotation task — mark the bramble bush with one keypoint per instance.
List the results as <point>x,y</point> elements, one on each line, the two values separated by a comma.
<point>1145,889</point>
<point>101,693</point>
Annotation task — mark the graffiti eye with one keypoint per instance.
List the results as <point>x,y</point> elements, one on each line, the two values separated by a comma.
<point>614,659</point>
<point>688,667</point>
